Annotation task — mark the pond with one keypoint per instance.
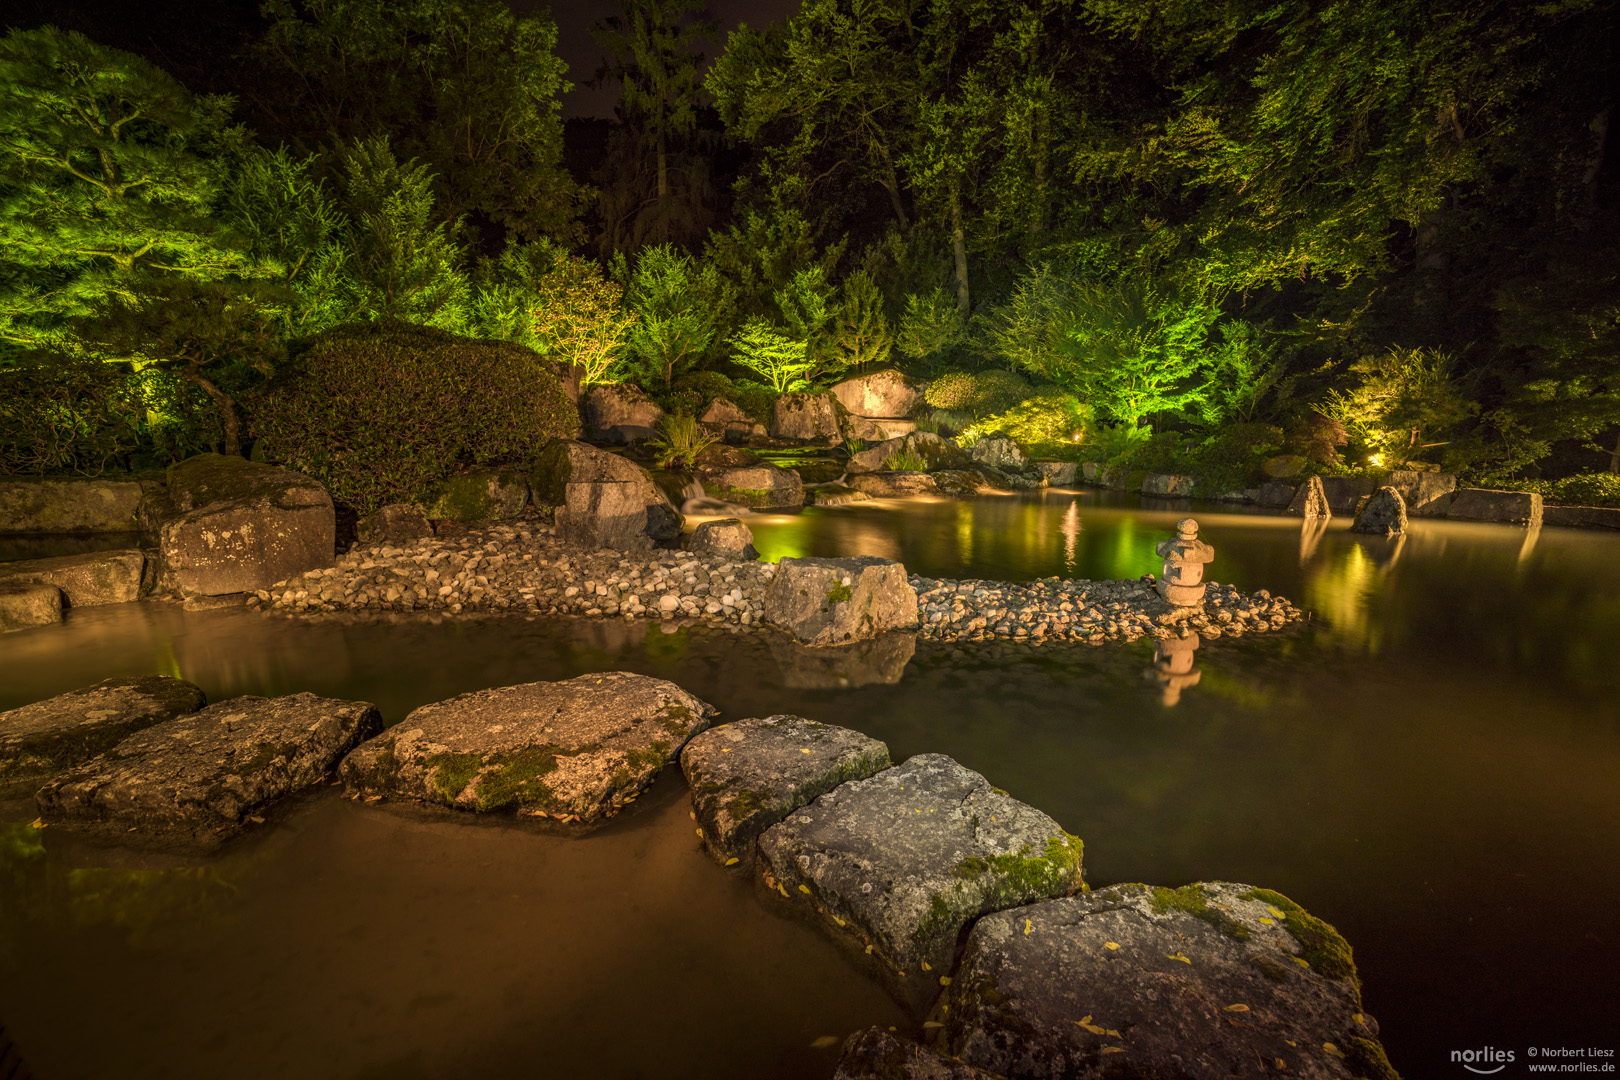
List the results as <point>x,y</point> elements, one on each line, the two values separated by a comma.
<point>1431,763</point>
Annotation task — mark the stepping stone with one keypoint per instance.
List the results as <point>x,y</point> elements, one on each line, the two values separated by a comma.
<point>833,601</point>
<point>39,740</point>
<point>1213,979</point>
<point>576,750</point>
<point>24,605</point>
<point>749,775</point>
<point>196,780</point>
<point>902,862</point>
<point>96,577</point>
<point>875,1054</point>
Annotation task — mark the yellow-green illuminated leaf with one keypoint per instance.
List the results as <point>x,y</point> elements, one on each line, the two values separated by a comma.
<point>733,861</point>
<point>1178,955</point>
<point>1110,945</point>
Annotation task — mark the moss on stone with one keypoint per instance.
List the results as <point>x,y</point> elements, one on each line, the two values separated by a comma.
<point>1367,1059</point>
<point>1322,947</point>
<point>1191,899</point>
<point>516,779</point>
<point>452,773</point>
<point>939,917</point>
<point>838,594</point>
<point>745,804</point>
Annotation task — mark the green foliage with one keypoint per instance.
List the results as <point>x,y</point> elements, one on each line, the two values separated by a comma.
<point>861,336</point>
<point>931,329</point>
<point>1031,329</point>
<point>679,441</point>
<point>781,360</point>
<point>805,305</point>
<point>1114,443</point>
<point>978,393</point>
<point>1231,459</point>
<point>283,214</point>
<point>379,413</point>
<point>1402,396</point>
<point>65,414</point>
<point>907,460</point>
<point>1050,424</point>
<point>504,289</point>
<point>674,299</point>
<point>1242,371</point>
<point>464,86</point>
<point>106,178</point>
<point>1582,489</point>
<point>577,320</point>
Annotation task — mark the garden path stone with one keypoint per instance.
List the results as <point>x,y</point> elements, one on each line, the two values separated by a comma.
<point>876,1054</point>
<point>748,775</point>
<point>39,740</point>
<point>1206,981</point>
<point>833,601</point>
<point>95,577</point>
<point>576,750</point>
<point>902,862</point>
<point>197,779</point>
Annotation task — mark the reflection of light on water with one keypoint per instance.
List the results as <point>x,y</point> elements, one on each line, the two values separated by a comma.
<point>1310,537</point>
<point>1071,533</point>
<point>1340,592</point>
<point>871,538</point>
<point>1531,535</point>
<point>964,532</point>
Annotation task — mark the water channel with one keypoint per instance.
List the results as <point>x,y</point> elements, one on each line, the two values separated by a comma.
<point>1432,763</point>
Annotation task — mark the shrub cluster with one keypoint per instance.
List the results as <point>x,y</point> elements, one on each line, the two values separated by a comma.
<point>379,413</point>
<point>1050,424</point>
<point>1582,489</point>
<point>978,393</point>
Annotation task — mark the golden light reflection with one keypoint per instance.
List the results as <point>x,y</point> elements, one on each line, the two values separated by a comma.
<point>964,532</point>
<point>1339,591</point>
<point>1071,534</point>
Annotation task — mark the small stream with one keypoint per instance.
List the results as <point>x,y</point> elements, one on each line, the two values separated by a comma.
<point>1432,763</point>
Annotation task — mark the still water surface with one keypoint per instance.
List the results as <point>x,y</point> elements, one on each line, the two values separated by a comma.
<point>1432,764</point>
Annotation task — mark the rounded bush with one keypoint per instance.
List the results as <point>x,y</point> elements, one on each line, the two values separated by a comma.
<point>380,412</point>
<point>978,393</point>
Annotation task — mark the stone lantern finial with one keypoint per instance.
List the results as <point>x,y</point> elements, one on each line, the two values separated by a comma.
<point>1182,583</point>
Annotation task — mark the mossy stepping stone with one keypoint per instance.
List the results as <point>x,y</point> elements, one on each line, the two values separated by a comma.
<point>749,775</point>
<point>40,740</point>
<point>195,780</point>
<point>576,750</point>
<point>901,862</point>
<point>1214,979</point>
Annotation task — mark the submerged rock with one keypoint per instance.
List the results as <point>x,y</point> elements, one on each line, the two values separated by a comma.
<point>759,487</point>
<point>832,601</point>
<point>1212,980</point>
<point>576,750</point>
<point>1384,514</point>
<point>39,740</point>
<point>96,577</point>
<point>725,538</point>
<point>748,775</point>
<point>903,861</point>
<point>875,1054</point>
<point>197,779</point>
<point>1310,501</point>
<point>24,605</point>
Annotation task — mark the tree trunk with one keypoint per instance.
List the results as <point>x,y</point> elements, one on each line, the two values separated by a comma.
<point>959,251</point>
<point>223,403</point>
<point>891,184</point>
<point>1614,456</point>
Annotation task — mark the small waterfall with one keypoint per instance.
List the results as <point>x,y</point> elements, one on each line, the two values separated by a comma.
<point>696,502</point>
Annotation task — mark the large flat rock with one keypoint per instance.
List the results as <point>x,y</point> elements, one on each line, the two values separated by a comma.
<point>894,485</point>
<point>40,740</point>
<point>1504,507</point>
<point>902,862</point>
<point>242,526</point>
<point>197,779</point>
<point>880,394</point>
<point>24,605</point>
<point>576,750</point>
<point>87,580</point>
<point>834,601</point>
<point>1214,980</point>
<point>74,506</point>
<point>748,775</point>
<point>759,487</point>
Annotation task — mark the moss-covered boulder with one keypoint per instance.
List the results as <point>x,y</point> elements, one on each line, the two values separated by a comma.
<point>575,751</point>
<point>24,605</point>
<point>835,601</point>
<point>1214,979</point>
<point>242,526</point>
<point>748,775</point>
<point>806,417</point>
<point>198,779</point>
<point>902,862</point>
<point>934,452</point>
<point>396,523</point>
<point>1383,515</point>
<point>480,496</point>
<point>39,740</point>
<point>876,1054</point>
<point>87,580</point>
<point>567,461</point>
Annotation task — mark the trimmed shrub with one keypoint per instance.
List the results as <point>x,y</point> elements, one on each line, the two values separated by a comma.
<point>1050,424</point>
<point>978,393</point>
<point>380,412</point>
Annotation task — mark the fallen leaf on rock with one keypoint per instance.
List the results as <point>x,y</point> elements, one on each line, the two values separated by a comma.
<point>926,967</point>
<point>1028,926</point>
<point>805,889</point>
<point>1178,956</point>
<point>1112,1050</point>
<point>944,980</point>
<point>37,823</point>
<point>256,819</point>
<point>1237,1008</point>
<point>932,1025</point>
<point>1334,1050</point>
<point>1110,944</point>
<point>733,861</point>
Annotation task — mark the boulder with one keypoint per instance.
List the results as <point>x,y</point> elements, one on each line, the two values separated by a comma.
<point>198,779</point>
<point>1507,507</point>
<point>876,1054</point>
<point>879,661</point>
<point>726,538</point>
<point>75,506</point>
<point>833,601</point>
<point>23,605</point>
<point>935,452</point>
<point>1344,494</point>
<point>242,526</point>
<point>1310,501</point>
<point>1058,473</point>
<point>1168,486</point>
<point>998,452</point>
<point>565,461</point>
<point>748,775</point>
<point>576,750</point>
<point>961,482</point>
<point>805,417</point>
<point>604,514</point>
<point>837,495</point>
<point>895,427</point>
<point>724,413</point>
<point>1212,980</point>
<point>1588,517</point>
<point>1275,494</point>
<point>880,394</point>
<point>396,523</point>
<point>862,427</point>
<point>894,485</point>
<point>759,487</point>
<point>40,740</point>
<point>1426,493</point>
<point>96,577</point>
<point>904,861</point>
<point>1384,514</point>
<point>481,496</point>
<point>1091,471</point>
<point>619,412</point>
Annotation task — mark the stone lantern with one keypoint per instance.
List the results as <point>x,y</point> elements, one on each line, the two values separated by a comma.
<point>1182,583</point>
<point>1173,667</point>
